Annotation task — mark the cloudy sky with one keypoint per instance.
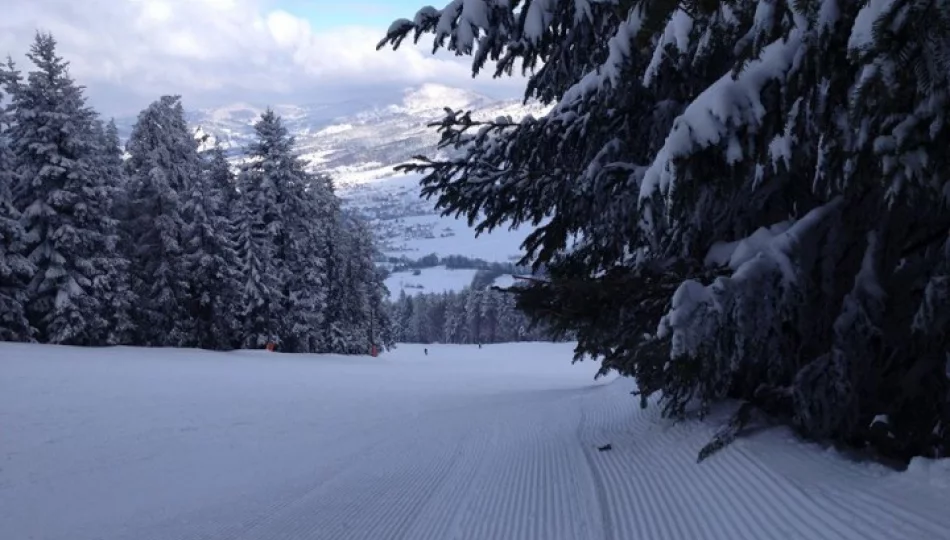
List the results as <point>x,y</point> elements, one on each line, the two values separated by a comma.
<point>216,52</point>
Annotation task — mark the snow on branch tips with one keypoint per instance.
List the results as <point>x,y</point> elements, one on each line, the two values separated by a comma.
<point>620,47</point>
<point>726,107</point>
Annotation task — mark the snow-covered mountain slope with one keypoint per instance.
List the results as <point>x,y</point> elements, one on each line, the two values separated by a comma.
<point>493,443</point>
<point>437,279</point>
<point>357,139</point>
<point>406,225</point>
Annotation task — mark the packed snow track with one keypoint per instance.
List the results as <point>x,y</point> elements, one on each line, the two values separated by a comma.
<point>492,443</point>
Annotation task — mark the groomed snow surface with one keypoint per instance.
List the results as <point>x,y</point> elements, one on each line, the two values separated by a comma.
<point>492,443</point>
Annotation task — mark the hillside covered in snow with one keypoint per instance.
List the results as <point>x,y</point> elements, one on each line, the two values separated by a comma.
<point>355,140</point>
<point>464,442</point>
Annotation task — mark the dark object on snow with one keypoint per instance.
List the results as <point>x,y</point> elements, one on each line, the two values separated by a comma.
<point>604,448</point>
<point>426,351</point>
<point>479,345</point>
<point>727,433</point>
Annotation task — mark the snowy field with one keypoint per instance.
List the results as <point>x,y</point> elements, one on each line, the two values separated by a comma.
<point>492,443</point>
<point>437,279</point>
<point>500,245</point>
<point>418,230</point>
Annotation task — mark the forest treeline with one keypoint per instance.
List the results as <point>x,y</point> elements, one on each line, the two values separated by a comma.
<point>159,244</point>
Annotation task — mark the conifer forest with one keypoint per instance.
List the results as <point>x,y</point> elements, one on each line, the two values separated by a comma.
<point>748,199</point>
<point>159,244</point>
<point>497,270</point>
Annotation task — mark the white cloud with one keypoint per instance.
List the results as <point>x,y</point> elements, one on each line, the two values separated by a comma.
<point>128,52</point>
<point>158,11</point>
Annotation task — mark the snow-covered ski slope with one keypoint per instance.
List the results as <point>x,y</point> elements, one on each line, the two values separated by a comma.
<point>492,443</point>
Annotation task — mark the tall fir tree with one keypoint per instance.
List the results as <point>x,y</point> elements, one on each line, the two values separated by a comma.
<point>280,225</point>
<point>163,167</point>
<point>15,269</point>
<point>210,256</point>
<point>311,213</point>
<point>452,329</point>
<point>371,325</point>
<point>732,199</point>
<point>473,315</point>
<point>221,181</point>
<point>260,311</point>
<point>65,204</point>
<point>405,307</point>
<point>419,323</point>
<point>120,326</point>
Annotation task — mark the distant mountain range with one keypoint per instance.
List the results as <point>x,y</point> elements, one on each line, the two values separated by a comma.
<point>357,140</point>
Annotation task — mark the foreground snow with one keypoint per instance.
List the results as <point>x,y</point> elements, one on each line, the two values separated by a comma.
<point>491,443</point>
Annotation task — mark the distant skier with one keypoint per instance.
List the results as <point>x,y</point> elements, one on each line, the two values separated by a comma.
<point>426,351</point>
<point>479,345</point>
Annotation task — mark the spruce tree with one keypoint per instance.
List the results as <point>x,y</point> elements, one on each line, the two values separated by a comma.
<point>311,216</point>
<point>282,222</point>
<point>419,323</point>
<point>489,317</point>
<point>260,313</point>
<point>743,200</point>
<point>120,326</point>
<point>334,337</point>
<point>221,181</point>
<point>210,256</point>
<point>405,306</point>
<point>511,323</point>
<point>356,314</point>
<point>15,270</point>
<point>372,312</point>
<point>473,315</point>
<point>65,205</point>
<point>163,167</point>
<point>452,330</point>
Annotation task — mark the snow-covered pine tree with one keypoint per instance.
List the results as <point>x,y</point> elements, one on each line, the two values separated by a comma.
<point>511,322</point>
<point>15,269</point>
<point>377,312</point>
<point>419,323</point>
<point>284,216</point>
<point>473,315</point>
<point>65,204</point>
<point>120,325</point>
<point>210,256</point>
<point>221,185</point>
<point>435,320</point>
<point>454,328</point>
<point>259,304</point>
<point>339,251</point>
<point>405,306</point>
<point>757,191</point>
<point>163,166</point>
<point>114,166</point>
<point>384,321</point>
<point>489,317</point>
<point>356,316</point>
<point>221,180</point>
<point>312,215</point>
<point>368,290</point>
